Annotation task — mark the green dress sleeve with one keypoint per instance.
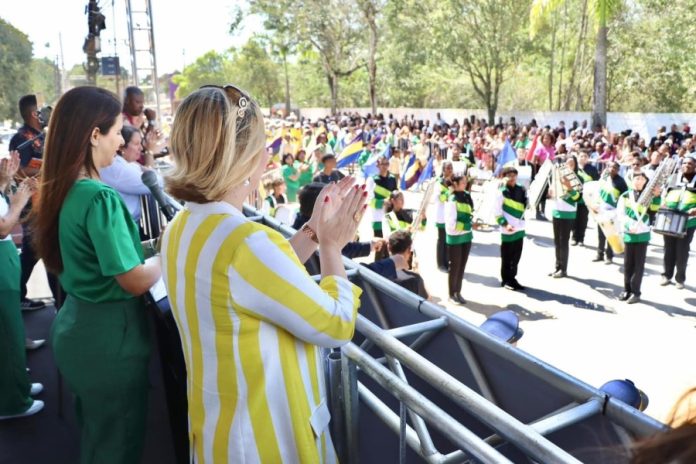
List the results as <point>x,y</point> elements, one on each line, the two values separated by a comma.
<point>111,230</point>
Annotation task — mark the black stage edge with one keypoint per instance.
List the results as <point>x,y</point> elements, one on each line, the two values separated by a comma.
<point>48,438</point>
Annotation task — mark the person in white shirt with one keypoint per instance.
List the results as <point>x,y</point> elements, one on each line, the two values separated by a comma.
<point>125,173</point>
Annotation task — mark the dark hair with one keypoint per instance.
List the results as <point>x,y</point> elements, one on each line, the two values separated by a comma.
<point>457,178</point>
<point>133,91</point>
<point>127,133</point>
<point>307,196</point>
<point>389,204</point>
<point>27,104</point>
<point>510,170</point>
<point>399,241</point>
<point>285,156</point>
<point>68,150</point>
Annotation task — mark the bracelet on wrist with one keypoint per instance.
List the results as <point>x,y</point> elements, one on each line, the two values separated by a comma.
<point>309,232</point>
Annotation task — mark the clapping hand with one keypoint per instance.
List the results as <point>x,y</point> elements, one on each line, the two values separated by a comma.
<point>336,191</point>
<point>9,166</point>
<point>339,213</point>
<point>24,192</point>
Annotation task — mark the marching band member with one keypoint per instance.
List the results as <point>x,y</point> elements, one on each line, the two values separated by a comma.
<point>586,173</point>
<point>380,187</point>
<point>611,187</point>
<point>458,213</point>
<point>398,217</point>
<point>251,319</point>
<point>564,213</point>
<point>636,228</point>
<point>510,207</point>
<point>681,197</point>
<point>443,186</point>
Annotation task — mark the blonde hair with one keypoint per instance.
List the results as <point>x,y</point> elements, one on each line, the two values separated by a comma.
<point>214,149</point>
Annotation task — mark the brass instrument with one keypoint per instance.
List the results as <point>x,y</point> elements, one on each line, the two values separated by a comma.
<point>562,171</point>
<point>661,178</point>
<point>415,224</point>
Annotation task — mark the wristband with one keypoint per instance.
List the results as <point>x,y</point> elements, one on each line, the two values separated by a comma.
<point>305,229</point>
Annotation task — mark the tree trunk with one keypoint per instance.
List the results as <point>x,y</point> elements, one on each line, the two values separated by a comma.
<point>372,68</point>
<point>563,52</point>
<point>599,100</point>
<point>552,63</point>
<point>288,109</point>
<point>333,85</point>
<point>577,61</point>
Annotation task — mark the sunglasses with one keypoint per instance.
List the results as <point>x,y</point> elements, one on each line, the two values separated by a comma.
<point>235,95</point>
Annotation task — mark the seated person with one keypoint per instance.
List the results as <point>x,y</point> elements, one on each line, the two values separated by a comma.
<point>125,173</point>
<point>277,197</point>
<point>329,173</point>
<point>396,267</point>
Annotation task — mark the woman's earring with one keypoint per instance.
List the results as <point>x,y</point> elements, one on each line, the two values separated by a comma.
<point>247,182</point>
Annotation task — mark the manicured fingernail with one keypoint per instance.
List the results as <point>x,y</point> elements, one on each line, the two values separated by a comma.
<point>326,199</point>
<point>362,186</point>
<point>364,207</point>
<point>364,194</point>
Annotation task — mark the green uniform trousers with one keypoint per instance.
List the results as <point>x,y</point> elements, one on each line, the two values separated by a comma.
<point>102,351</point>
<point>14,381</point>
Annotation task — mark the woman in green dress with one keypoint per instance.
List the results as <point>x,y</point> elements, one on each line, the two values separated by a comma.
<point>291,176</point>
<point>15,387</point>
<point>85,234</point>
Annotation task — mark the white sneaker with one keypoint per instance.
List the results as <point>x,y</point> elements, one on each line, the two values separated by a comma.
<point>35,407</point>
<point>36,388</point>
<point>33,344</point>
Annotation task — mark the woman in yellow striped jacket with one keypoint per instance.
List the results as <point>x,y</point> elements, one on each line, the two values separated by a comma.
<point>250,317</point>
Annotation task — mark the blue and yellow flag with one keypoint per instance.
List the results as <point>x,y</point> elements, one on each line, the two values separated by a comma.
<point>411,173</point>
<point>351,152</point>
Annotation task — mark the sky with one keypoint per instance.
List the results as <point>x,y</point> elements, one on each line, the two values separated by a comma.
<point>184,30</point>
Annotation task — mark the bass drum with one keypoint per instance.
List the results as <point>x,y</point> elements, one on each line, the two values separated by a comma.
<point>605,221</point>
<point>538,185</point>
<point>671,222</point>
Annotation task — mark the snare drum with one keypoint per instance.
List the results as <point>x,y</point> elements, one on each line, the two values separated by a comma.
<point>671,222</point>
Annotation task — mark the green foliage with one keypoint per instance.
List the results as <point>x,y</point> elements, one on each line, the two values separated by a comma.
<point>249,67</point>
<point>15,69</point>
<point>45,80</point>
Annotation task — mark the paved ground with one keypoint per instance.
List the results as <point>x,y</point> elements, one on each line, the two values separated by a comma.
<point>575,323</point>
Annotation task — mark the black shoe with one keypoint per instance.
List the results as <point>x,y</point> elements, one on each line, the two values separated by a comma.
<point>32,305</point>
<point>460,299</point>
<point>633,299</point>
<point>453,299</point>
<point>517,286</point>
<point>559,275</point>
<point>624,296</point>
<point>443,269</point>
<point>598,259</point>
<point>509,286</point>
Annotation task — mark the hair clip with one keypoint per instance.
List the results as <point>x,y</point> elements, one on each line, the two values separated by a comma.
<point>243,105</point>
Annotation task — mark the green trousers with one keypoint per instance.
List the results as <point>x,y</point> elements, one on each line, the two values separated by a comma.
<point>14,381</point>
<point>102,352</point>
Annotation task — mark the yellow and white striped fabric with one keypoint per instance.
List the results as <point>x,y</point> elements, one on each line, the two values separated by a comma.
<point>251,321</point>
